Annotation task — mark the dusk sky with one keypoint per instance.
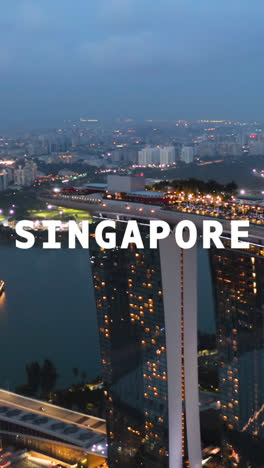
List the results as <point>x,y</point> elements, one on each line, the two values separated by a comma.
<point>63,59</point>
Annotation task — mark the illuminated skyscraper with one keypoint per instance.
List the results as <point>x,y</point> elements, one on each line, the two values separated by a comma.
<point>146,303</point>
<point>238,278</point>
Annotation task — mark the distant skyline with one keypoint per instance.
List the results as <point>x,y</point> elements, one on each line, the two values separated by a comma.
<point>102,59</point>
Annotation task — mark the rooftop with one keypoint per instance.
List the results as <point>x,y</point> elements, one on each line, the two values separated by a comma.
<point>147,193</point>
<point>73,428</point>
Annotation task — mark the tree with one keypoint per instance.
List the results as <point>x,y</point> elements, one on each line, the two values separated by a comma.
<point>33,376</point>
<point>24,390</point>
<point>84,377</point>
<point>75,372</point>
<point>231,187</point>
<point>49,377</point>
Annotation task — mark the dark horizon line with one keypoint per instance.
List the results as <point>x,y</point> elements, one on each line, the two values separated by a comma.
<point>94,120</point>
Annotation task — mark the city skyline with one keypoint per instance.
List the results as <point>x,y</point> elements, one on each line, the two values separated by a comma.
<point>131,234</point>
<point>154,393</point>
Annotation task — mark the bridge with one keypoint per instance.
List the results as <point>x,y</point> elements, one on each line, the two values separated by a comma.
<point>118,210</point>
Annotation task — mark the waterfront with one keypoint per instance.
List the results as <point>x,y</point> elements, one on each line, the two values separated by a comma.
<point>48,311</point>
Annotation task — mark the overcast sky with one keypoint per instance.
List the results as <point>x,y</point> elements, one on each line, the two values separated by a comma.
<point>131,58</point>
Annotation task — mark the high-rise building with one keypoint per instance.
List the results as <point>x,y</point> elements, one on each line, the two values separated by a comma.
<point>206,149</point>
<point>228,149</point>
<point>146,304</point>
<point>125,155</point>
<point>19,176</point>
<point>26,175</point>
<point>167,155</point>
<point>238,278</point>
<point>256,147</point>
<point>3,180</point>
<point>59,144</point>
<point>148,156</point>
<point>30,172</point>
<point>187,154</point>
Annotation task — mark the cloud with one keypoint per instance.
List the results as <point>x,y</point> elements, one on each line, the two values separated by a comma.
<point>5,60</point>
<point>176,34</point>
<point>121,9</point>
<point>154,48</point>
<point>162,51</point>
<point>119,51</point>
<point>31,15</point>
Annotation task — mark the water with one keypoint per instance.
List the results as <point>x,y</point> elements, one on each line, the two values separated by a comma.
<point>48,311</point>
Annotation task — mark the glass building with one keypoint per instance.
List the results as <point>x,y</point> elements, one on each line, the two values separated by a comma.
<point>144,342</point>
<point>238,281</point>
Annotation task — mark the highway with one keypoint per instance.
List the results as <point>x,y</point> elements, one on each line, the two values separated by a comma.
<point>46,409</point>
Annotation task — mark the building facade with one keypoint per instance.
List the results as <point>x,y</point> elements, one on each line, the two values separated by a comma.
<point>147,325</point>
<point>167,155</point>
<point>4,180</point>
<point>148,156</point>
<point>124,183</point>
<point>187,154</point>
<point>25,176</point>
<point>238,279</point>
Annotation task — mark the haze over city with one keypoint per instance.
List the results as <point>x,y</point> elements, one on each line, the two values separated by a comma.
<point>128,58</point>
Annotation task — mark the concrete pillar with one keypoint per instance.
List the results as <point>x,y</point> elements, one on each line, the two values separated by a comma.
<point>190,297</point>
<point>179,283</point>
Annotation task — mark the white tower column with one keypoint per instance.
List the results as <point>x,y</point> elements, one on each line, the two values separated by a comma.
<point>179,283</point>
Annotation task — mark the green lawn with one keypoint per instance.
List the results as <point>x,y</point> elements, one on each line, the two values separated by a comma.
<point>60,213</point>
